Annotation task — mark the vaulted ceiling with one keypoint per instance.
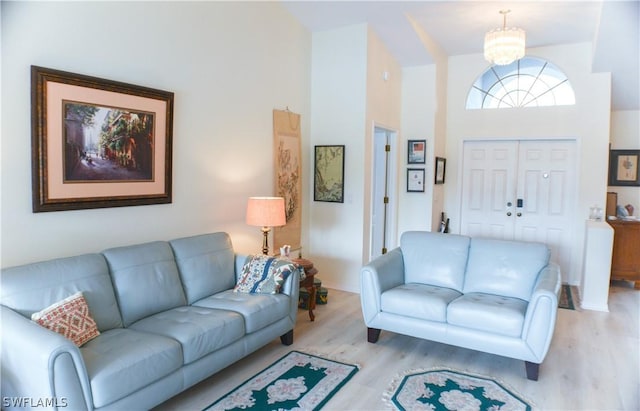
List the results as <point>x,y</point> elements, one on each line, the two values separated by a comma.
<point>458,27</point>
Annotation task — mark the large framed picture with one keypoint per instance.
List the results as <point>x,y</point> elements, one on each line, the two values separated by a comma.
<point>328,181</point>
<point>415,180</point>
<point>98,143</point>
<point>623,168</point>
<point>416,151</point>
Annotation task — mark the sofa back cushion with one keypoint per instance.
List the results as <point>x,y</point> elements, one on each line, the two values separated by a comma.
<point>206,264</point>
<point>505,268</point>
<point>145,279</point>
<point>434,258</point>
<point>30,288</point>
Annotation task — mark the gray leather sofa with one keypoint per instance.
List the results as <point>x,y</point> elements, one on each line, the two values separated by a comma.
<point>167,315</point>
<point>495,296</point>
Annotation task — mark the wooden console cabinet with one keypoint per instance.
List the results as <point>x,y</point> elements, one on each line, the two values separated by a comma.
<point>625,263</point>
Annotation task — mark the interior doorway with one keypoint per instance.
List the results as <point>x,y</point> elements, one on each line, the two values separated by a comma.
<point>384,192</point>
<point>523,190</point>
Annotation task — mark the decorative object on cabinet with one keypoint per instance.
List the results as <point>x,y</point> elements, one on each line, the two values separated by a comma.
<point>625,262</point>
<point>623,168</point>
<point>416,152</point>
<point>612,202</point>
<point>415,180</point>
<point>328,180</point>
<point>266,212</point>
<point>98,143</point>
<point>441,164</point>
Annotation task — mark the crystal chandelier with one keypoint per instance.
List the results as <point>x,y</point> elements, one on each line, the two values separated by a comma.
<point>504,45</point>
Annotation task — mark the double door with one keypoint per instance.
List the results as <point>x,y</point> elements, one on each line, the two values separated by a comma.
<point>522,190</point>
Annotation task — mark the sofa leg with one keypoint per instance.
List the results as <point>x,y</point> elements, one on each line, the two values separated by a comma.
<point>373,334</point>
<point>287,339</point>
<point>533,370</point>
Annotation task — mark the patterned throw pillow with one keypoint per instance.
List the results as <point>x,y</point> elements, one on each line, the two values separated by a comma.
<point>69,317</point>
<point>262,274</point>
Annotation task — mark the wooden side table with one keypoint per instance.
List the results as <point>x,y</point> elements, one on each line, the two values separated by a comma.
<point>308,283</point>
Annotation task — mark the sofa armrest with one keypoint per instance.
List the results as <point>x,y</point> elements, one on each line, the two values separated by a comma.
<point>381,274</point>
<point>40,367</point>
<point>540,318</point>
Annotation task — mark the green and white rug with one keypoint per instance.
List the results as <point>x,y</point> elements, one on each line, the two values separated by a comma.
<point>296,381</point>
<point>443,390</point>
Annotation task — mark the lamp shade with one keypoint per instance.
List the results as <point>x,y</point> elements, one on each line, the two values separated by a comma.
<point>266,211</point>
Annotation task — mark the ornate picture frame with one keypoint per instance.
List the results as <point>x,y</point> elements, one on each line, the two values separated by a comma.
<point>624,167</point>
<point>328,180</point>
<point>98,143</point>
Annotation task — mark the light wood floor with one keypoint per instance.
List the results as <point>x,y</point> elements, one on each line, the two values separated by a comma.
<point>593,362</point>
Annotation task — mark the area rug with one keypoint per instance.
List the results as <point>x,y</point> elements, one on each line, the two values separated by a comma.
<point>566,299</point>
<point>295,381</point>
<point>442,390</point>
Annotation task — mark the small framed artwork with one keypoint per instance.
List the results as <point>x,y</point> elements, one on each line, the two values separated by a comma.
<point>441,164</point>
<point>417,151</point>
<point>415,180</point>
<point>623,168</point>
<point>328,180</point>
<point>98,143</point>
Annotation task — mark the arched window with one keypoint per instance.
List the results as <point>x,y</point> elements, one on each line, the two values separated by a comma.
<point>528,82</point>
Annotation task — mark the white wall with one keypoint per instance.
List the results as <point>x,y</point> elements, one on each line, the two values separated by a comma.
<point>229,65</point>
<point>587,122</point>
<point>625,135</point>
<point>348,95</point>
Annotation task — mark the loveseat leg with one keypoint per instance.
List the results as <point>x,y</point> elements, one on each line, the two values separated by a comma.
<point>532,370</point>
<point>373,334</point>
<point>287,339</point>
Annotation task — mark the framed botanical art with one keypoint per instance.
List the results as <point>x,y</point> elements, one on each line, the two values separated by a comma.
<point>623,168</point>
<point>415,180</point>
<point>416,151</point>
<point>328,181</point>
<point>440,169</point>
<point>98,143</point>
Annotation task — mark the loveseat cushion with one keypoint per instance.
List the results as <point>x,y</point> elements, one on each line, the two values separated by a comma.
<point>145,278</point>
<point>486,312</point>
<point>506,268</point>
<point>32,287</point>
<point>122,361</point>
<point>434,258</point>
<point>258,310</point>
<point>199,330</point>
<point>421,301</point>
<point>206,264</point>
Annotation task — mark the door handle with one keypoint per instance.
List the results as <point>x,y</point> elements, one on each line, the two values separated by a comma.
<point>519,214</point>
<point>508,213</point>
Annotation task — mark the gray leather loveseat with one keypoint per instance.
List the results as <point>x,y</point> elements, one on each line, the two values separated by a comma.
<point>495,296</point>
<point>167,315</point>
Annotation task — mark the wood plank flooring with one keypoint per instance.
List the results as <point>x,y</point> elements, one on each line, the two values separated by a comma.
<point>593,362</point>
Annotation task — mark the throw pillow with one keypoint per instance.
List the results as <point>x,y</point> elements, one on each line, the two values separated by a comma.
<point>262,274</point>
<point>69,317</point>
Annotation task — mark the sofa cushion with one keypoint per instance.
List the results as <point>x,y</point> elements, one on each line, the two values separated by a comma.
<point>69,317</point>
<point>506,268</point>
<point>262,274</point>
<point>146,279</point>
<point>258,310</point>
<point>486,312</point>
<point>206,264</point>
<point>122,361</point>
<point>199,330</point>
<point>421,301</point>
<point>33,287</point>
<point>434,258</point>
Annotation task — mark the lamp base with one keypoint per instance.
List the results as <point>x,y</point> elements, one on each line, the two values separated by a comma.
<point>265,240</point>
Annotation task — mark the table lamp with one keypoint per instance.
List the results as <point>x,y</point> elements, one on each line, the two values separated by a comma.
<point>266,212</point>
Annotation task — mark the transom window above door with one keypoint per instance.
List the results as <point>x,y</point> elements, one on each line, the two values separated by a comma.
<point>528,82</point>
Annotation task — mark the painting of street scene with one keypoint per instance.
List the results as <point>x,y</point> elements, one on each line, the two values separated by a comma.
<point>106,144</point>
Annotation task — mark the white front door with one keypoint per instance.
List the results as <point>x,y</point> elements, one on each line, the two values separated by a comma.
<point>523,190</point>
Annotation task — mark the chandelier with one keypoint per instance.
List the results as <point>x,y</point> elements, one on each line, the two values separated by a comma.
<point>504,45</point>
